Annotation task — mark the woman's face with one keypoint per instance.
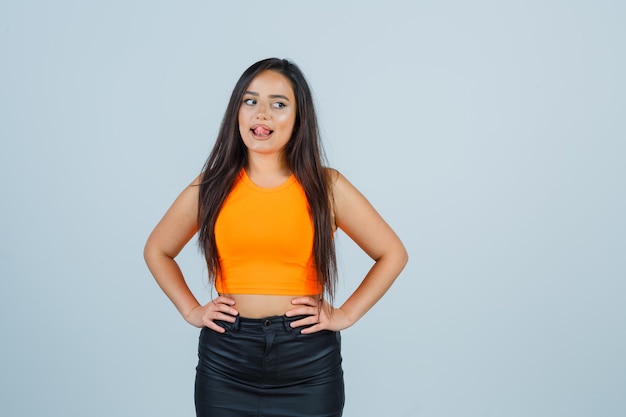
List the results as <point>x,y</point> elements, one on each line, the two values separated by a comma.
<point>267,113</point>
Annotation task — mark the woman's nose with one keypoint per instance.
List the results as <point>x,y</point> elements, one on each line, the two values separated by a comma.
<point>263,112</point>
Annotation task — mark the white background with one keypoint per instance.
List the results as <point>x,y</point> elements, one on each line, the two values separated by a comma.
<point>489,134</point>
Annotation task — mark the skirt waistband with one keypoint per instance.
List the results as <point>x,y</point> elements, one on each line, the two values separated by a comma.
<point>263,324</point>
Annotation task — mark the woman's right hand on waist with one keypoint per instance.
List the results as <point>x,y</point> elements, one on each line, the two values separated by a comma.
<point>221,308</point>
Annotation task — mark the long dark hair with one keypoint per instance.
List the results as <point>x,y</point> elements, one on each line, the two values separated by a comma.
<point>304,156</point>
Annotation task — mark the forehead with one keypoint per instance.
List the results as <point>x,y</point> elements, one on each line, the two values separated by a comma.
<point>271,83</point>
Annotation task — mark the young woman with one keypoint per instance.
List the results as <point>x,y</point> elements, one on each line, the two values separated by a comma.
<point>265,210</point>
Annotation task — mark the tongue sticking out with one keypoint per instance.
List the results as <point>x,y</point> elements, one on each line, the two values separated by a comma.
<point>261,131</point>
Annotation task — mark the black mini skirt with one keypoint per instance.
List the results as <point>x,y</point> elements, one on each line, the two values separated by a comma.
<point>265,368</point>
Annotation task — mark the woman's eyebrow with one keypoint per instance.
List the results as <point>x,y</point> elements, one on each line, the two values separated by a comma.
<point>279,96</point>
<point>252,93</point>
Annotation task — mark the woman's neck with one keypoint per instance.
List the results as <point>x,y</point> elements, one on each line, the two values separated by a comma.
<point>267,171</point>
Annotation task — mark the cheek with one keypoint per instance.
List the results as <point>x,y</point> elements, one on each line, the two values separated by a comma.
<point>242,125</point>
<point>242,117</point>
<point>288,120</point>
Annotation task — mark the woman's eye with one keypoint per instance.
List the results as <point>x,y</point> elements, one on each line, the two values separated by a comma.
<point>250,101</point>
<point>279,105</point>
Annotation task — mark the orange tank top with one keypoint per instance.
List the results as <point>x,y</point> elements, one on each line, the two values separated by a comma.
<point>264,238</point>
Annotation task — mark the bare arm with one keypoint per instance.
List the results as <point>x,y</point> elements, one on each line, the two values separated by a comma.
<point>172,233</point>
<point>362,223</point>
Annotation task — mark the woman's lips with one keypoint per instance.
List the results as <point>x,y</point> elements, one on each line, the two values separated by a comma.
<point>261,131</point>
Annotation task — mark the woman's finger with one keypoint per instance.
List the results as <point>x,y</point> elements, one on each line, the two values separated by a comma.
<point>214,326</point>
<point>224,305</point>
<point>312,329</point>
<point>302,311</point>
<point>310,301</point>
<point>305,321</point>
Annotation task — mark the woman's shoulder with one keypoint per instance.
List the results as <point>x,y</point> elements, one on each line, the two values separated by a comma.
<point>197,181</point>
<point>332,175</point>
<point>336,180</point>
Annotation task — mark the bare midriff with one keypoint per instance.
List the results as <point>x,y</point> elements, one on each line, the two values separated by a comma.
<point>256,306</point>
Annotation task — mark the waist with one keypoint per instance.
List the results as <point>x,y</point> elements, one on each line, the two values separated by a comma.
<point>257,306</point>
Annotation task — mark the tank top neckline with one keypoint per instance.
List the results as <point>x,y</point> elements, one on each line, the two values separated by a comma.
<point>248,181</point>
